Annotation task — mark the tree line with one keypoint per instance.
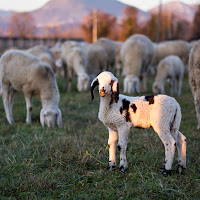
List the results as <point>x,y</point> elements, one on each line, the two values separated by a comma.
<point>23,25</point>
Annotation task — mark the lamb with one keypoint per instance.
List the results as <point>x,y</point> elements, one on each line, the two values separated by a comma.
<point>74,60</point>
<point>179,48</point>
<point>44,54</point>
<point>171,67</point>
<point>137,54</point>
<point>119,113</point>
<point>194,81</point>
<point>22,71</point>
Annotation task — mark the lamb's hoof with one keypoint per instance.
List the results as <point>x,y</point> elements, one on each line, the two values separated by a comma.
<point>111,167</point>
<point>180,169</point>
<point>165,172</point>
<point>122,169</point>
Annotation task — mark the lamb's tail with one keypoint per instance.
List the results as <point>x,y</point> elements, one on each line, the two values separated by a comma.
<point>175,124</point>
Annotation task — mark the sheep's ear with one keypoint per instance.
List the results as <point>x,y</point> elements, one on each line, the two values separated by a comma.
<point>94,83</point>
<point>115,89</point>
<point>59,119</point>
<point>42,117</point>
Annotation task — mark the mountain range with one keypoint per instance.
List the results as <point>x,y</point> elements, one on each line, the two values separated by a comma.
<point>70,13</point>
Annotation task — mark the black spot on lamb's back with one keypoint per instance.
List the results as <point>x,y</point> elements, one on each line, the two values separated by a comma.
<point>125,108</point>
<point>133,106</point>
<point>150,99</point>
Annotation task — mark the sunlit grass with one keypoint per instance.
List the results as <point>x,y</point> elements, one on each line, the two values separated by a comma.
<point>70,163</point>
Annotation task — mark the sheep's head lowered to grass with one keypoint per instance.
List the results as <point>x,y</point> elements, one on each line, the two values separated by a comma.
<point>49,116</point>
<point>108,85</point>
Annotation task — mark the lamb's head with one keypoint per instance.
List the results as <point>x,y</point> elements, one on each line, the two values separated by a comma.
<point>49,115</point>
<point>108,85</point>
<point>83,82</point>
<point>157,88</point>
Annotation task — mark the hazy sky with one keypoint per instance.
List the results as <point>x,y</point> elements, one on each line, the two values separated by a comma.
<point>28,5</point>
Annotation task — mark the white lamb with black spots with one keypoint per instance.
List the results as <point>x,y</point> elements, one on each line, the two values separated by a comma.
<point>119,113</point>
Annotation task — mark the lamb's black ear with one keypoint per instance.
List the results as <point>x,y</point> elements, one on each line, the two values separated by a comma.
<point>94,83</point>
<point>115,89</point>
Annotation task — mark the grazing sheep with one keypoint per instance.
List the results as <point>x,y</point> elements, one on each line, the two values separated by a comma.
<point>74,60</point>
<point>22,71</point>
<point>110,50</point>
<point>96,60</point>
<point>44,54</point>
<point>100,56</point>
<point>137,54</point>
<point>171,67</point>
<point>119,113</point>
<point>179,48</point>
<point>194,78</point>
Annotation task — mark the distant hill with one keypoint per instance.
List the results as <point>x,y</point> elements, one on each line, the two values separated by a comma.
<point>66,12</point>
<point>180,10</point>
<point>70,13</point>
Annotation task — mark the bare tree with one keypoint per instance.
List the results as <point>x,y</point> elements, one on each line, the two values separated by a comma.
<point>21,25</point>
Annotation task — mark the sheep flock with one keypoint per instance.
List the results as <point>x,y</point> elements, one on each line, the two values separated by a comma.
<point>35,72</point>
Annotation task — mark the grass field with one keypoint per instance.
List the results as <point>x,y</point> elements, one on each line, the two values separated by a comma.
<point>70,163</point>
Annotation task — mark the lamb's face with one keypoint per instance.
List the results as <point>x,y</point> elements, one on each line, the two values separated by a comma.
<point>105,83</point>
<point>48,116</point>
<point>156,88</point>
<point>83,83</point>
<point>108,84</point>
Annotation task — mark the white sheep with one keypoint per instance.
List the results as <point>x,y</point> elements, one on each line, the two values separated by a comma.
<point>100,56</point>
<point>74,60</point>
<point>179,48</point>
<point>171,68</point>
<point>22,71</point>
<point>137,54</point>
<point>44,54</point>
<point>110,50</point>
<point>194,78</point>
<point>96,60</point>
<point>119,113</point>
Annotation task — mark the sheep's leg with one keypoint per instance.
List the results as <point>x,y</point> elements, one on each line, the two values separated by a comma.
<point>28,108</point>
<point>171,83</point>
<point>112,147</point>
<point>181,147</point>
<point>65,75</point>
<point>137,85</point>
<point>131,87</point>
<point>197,108</point>
<point>179,86</point>
<point>175,87</point>
<point>118,68</point>
<point>169,144</point>
<point>125,85</point>
<point>11,97</point>
<point>70,79</point>
<point>122,145</point>
<point>144,82</point>
<point>5,96</point>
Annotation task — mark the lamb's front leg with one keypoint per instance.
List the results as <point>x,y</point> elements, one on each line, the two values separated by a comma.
<point>112,147</point>
<point>122,145</point>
